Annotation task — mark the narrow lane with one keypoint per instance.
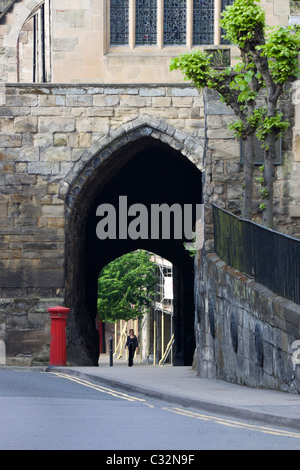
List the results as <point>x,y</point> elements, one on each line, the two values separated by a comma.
<point>51,411</point>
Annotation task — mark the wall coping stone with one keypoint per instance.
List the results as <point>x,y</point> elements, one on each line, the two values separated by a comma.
<point>267,293</point>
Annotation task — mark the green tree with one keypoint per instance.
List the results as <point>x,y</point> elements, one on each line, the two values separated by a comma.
<point>126,287</point>
<point>269,61</point>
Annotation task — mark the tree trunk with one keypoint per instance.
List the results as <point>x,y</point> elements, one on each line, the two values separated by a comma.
<point>269,176</point>
<point>248,177</point>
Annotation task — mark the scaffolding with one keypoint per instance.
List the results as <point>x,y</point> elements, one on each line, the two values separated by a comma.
<point>162,335</point>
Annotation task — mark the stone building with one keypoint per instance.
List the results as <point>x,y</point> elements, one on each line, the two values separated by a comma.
<point>90,111</point>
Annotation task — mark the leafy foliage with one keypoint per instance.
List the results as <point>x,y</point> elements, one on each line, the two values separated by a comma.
<point>269,124</point>
<point>125,287</point>
<point>195,66</point>
<point>269,60</point>
<point>282,49</point>
<point>243,21</point>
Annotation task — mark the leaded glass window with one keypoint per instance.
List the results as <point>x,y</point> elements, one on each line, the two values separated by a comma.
<point>146,17</point>
<point>119,21</point>
<point>203,22</point>
<point>174,21</point>
<point>224,4</point>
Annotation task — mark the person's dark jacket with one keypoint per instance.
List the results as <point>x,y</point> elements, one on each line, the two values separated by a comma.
<point>134,342</point>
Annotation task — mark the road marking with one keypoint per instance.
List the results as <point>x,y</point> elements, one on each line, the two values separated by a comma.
<point>99,388</point>
<point>180,411</point>
<point>232,423</point>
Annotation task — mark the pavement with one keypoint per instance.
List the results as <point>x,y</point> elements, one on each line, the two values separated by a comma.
<point>182,386</point>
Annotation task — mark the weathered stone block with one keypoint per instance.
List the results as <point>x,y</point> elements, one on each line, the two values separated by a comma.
<point>161,102</point>
<point>19,179</point>
<point>132,101</point>
<point>50,278</point>
<point>121,91</point>
<point>79,100</point>
<point>3,210</point>
<point>42,168</point>
<point>7,125</point>
<point>182,102</point>
<point>60,140</point>
<point>21,100</point>
<point>220,134</point>
<point>52,210</point>
<point>51,100</point>
<point>184,91</point>
<point>153,91</point>
<point>105,100</point>
<point>99,125</point>
<point>58,153</point>
<point>23,346</point>
<point>100,112</point>
<point>11,140</point>
<point>295,210</point>
<point>11,278</point>
<point>85,140</point>
<point>26,124</point>
<point>57,124</point>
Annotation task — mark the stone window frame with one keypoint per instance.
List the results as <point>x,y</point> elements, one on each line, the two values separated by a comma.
<point>131,45</point>
<point>41,16</point>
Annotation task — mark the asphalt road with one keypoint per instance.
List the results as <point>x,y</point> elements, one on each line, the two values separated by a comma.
<point>49,411</point>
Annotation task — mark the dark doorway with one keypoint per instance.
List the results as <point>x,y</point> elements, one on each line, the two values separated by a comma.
<point>147,172</point>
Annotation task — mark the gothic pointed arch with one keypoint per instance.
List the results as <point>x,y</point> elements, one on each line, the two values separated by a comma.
<point>150,162</point>
<point>132,132</point>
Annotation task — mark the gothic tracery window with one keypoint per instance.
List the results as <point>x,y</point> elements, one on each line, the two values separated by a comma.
<point>174,21</point>
<point>119,21</point>
<point>167,22</point>
<point>203,22</point>
<point>146,19</point>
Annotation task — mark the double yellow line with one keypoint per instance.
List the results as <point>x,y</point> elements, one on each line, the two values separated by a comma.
<point>232,423</point>
<point>99,388</point>
<point>180,411</point>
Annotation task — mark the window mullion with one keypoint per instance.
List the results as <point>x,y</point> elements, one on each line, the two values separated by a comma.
<point>48,24</point>
<point>38,46</point>
<point>160,23</point>
<point>217,28</point>
<point>132,24</point>
<point>189,23</point>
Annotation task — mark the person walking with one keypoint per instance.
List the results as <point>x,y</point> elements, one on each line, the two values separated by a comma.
<point>131,338</point>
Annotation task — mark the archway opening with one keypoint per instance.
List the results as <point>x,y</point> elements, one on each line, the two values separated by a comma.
<point>147,172</point>
<point>135,291</point>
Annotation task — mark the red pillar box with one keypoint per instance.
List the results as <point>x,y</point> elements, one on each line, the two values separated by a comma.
<point>58,346</point>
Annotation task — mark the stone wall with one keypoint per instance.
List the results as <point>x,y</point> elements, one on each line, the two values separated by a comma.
<point>50,140</point>
<point>245,332</point>
<point>49,137</point>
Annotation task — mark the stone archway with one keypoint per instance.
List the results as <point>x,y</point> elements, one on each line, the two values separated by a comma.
<point>132,131</point>
<point>147,170</point>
